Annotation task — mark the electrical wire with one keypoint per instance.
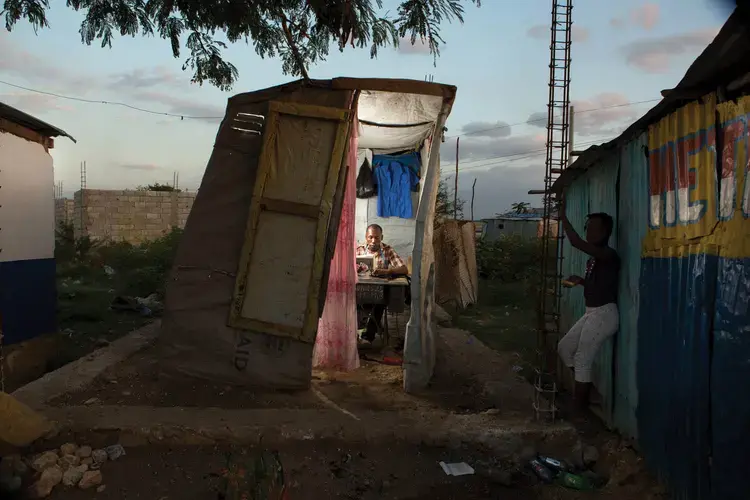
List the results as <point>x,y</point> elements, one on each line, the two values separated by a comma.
<point>528,122</point>
<point>111,103</point>
<point>509,158</point>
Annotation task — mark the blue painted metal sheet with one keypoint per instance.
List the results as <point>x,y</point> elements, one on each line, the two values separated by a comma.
<point>632,224</point>
<point>677,293</point>
<point>28,299</point>
<point>603,198</point>
<point>730,382</point>
<point>574,262</point>
<point>730,367</point>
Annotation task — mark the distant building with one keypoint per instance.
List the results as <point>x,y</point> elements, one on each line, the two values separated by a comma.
<point>525,225</point>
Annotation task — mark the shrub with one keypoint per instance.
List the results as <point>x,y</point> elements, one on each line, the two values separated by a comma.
<point>511,258</point>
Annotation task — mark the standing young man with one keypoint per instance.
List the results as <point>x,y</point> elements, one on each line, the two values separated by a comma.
<point>578,348</point>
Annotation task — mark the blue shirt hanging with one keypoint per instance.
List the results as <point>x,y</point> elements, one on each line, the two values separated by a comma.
<point>397,176</point>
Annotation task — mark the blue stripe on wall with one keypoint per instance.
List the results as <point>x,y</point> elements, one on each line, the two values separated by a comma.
<point>676,314</point>
<point>730,382</point>
<point>28,299</point>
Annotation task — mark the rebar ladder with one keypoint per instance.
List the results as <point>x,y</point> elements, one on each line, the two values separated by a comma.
<point>558,140</point>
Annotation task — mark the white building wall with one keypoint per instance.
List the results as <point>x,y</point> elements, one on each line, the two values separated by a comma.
<point>27,216</point>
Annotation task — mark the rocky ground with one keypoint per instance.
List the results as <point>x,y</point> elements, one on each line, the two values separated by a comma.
<point>321,470</point>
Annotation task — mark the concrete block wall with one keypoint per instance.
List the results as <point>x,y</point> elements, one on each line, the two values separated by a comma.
<point>64,208</point>
<point>132,216</point>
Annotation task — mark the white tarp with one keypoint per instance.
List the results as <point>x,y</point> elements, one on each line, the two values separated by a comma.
<point>396,110</point>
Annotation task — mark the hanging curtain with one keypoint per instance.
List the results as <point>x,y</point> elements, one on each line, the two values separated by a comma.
<point>336,344</point>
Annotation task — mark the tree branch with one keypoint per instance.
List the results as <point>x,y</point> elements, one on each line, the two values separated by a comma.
<point>293,47</point>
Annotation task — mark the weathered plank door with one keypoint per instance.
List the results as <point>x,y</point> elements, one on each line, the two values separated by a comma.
<point>280,277</point>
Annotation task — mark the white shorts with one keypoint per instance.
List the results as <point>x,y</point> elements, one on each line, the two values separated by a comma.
<point>578,348</point>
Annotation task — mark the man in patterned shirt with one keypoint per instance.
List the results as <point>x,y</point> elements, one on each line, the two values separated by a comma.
<point>387,264</point>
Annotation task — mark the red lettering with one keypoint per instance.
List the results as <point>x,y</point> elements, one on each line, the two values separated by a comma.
<point>732,133</point>
<point>661,170</point>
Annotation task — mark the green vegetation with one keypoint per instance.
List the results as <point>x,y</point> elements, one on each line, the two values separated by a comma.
<point>505,318</point>
<point>300,32</point>
<point>90,274</point>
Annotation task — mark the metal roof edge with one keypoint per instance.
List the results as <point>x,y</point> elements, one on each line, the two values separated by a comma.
<point>24,119</point>
<point>702,72</point>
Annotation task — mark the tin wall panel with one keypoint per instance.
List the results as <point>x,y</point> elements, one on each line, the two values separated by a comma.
<point>574,261</point>
<point>730,367</point>
<point>603,198</point>
<point>632,223</point>
<point>676,312</point>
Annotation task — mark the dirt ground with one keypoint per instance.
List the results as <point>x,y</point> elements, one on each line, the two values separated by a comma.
<point>332,470</point>
<point>375,386</point>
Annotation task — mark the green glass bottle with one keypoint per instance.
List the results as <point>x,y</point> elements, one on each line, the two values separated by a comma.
<point>574,482</point>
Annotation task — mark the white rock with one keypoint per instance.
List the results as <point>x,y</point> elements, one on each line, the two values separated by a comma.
<point>101,488</point>
<point>90,479</point>
<point>83,451</point>
<point>73,476</point>
<point>87,461</point>
<point>44,461</point>
<point>99,456</point>
<point>50,478</point>
<point>67,461</point>
<point>68,449</point>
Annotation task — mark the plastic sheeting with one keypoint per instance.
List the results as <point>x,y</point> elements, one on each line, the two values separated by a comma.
<point>456,277</point>
<point>336,343</point>
<point>402,121</point>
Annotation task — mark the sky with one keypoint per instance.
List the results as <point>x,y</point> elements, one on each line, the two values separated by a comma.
<point>623,53</point>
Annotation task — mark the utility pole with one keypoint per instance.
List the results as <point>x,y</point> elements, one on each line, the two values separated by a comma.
<point>455,184</point>
<point>472,198</point>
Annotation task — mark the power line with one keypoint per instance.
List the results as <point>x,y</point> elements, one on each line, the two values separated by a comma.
<point>508,158</point>
<point>528,122</point>
<point>111,103</point>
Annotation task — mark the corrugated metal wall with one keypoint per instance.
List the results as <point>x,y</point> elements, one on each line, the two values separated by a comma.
<point>682,355</point>
<point>631,224</point>
<point>574,262</point>
<point>603,198</point>
<point>730,368</point>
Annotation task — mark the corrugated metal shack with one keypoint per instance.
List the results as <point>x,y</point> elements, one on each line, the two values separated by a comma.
<point>676,378</point>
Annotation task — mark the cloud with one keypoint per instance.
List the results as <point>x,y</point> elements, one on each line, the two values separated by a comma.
<point>419,47</point>
<point>487,129</point>
<point>181,105</point>
<point>34,103</point>
<point>139,166</point>
<point>140,78</point>
<point>646,16</point>
<point>482,150</point>
<point>617,22</point>
<point>499,187</point>
<point>157,88</point>
<point>654,55</point>
<point>542,32</point>
<point>604,114</point>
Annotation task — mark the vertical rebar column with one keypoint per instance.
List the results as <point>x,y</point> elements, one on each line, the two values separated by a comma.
<point>548,332</point>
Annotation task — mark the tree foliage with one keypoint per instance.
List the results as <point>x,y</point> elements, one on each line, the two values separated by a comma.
<point>520,207</point>
<point>445,208</point>
<point>300,32</point>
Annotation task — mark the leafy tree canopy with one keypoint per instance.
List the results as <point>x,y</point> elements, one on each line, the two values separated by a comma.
<point>300,32</point>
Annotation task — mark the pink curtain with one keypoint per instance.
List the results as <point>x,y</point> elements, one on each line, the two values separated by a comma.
<point>336,344</point>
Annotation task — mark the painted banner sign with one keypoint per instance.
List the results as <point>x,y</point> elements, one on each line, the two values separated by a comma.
<point>690,194</point>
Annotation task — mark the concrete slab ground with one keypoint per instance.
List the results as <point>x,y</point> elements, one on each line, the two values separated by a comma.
<point>493,418</point>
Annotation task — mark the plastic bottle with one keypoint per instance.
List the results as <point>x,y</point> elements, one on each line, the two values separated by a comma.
<point>541,471</point>
<point>554,464</point>
<point>574,482</point>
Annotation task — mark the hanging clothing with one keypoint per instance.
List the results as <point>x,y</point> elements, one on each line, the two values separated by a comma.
<point>336,343</point>
<point>397,176</point>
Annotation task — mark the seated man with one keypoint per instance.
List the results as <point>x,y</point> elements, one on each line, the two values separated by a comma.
<point>386,264</point>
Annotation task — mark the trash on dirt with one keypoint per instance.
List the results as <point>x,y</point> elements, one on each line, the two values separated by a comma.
<point>541,471</point>
<point>457,469</point>
<point>109,271</point>
<point>146,306</point>
<point>574,482</point>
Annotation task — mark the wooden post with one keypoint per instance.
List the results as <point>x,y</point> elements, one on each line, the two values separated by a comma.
<point>455,189</point>
<point>472,198</point>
